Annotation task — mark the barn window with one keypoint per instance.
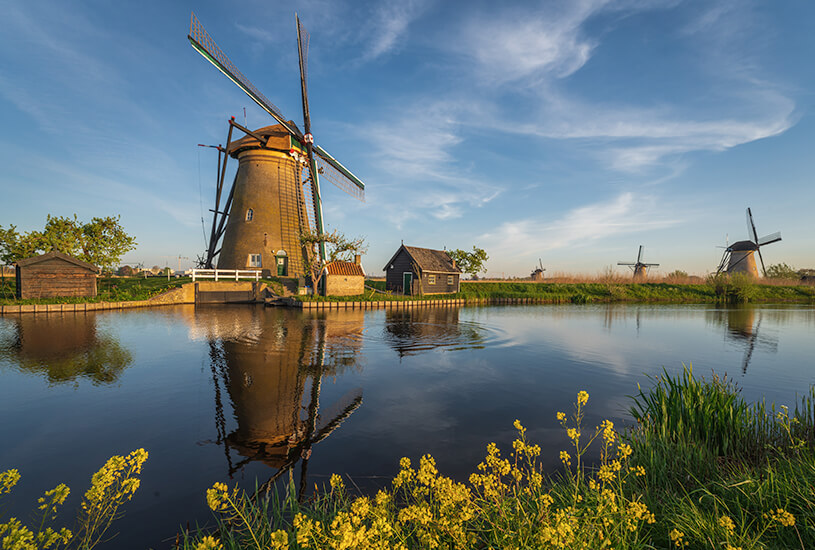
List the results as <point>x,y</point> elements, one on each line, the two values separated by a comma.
<point>431,279</point>
<point>255,260</point>
<point>449,279</point>
<point>250,214</point>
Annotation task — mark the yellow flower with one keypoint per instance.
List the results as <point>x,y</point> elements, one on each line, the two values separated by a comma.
<point>8,479</point>
<point>565,458</point>
<point>728,524</point>
<point>217,497</point>
<point>280,540</point>
<point>336,482</point>
<point>623,451</point>
<point>518,425</point>
<point>783,517</point>
<point>209,543</point>
<point>573,433</point>
<point>561,416</point>
<point>678,537</point>
<point>582,397</point>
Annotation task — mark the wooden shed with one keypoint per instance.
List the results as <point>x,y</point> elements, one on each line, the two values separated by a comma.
<point>344,278</point>
<point>55,274</point>
<point>414,270</point>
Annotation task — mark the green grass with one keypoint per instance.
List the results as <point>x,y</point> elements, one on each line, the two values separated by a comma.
<point>109,289</point>
<point>717,290</point>
<point>701,469</point>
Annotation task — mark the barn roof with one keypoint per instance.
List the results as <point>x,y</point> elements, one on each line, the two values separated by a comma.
<point>344,268</point>
<point>58,255</point>
<point>435,261</point>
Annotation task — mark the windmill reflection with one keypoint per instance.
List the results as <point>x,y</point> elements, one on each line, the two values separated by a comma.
<point>65,348</point>
<point>273,375</point>
<point>412,331</point>
<point>743,328</point>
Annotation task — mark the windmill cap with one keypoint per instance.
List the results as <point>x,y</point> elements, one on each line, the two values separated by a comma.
<point>743,245</point>
<point>275,132</point>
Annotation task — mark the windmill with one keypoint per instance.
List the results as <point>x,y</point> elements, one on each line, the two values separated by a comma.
<point>275,196</point>
<point>739,258</point>
<point>640,268</point>
<point>537,274</point>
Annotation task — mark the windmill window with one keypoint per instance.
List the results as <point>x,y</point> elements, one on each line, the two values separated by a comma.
<point>255,260</point>
<point>431,279</point>
<point>449,279</point>
<point>250,214</point>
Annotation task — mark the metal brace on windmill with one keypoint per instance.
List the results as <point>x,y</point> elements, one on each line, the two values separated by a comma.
<point>739,257</point>
<point>275,196</point>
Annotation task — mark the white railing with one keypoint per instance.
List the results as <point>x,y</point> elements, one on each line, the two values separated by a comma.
<point>225,274</point>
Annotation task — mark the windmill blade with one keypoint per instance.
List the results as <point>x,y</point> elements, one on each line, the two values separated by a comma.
<point>206,46</point>
<point>764,271</point>
<point>344,408</point>
<point>751,227</point>
<point>626,263</point>
<point>639,256</point>
<point>338,179</point>
<point>768,239</point>
<point>334,163</point>
<point>303,39</point>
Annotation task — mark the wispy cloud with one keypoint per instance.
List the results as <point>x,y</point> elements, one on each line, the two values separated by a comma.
<point>390,25</point>
<point>624,214</point>
<point>416,149</point>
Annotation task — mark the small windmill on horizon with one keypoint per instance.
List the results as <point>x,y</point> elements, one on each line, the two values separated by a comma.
<point>639,267</point>
<point>739,257</point>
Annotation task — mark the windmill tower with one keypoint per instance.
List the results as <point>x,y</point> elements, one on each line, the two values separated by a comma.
<point>739,257</point>
<point>639,267</point>
<point>537,274</point>
<point>275,196</point>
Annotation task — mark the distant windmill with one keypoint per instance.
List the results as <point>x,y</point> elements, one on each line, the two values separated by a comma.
<point>739,258</point>
<point>537,275</point>
<point>275,196</point>
<point>640,268</point>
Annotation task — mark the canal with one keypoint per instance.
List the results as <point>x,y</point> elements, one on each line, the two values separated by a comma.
<point>244,393</point>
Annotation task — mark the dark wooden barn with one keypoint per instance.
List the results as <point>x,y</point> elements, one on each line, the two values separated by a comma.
<point>55,274</point>
<point>414,270</point>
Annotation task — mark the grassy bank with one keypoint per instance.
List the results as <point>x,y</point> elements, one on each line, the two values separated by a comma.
<point>109,289</point>
<point>702,469</point>
<point>714,290</point>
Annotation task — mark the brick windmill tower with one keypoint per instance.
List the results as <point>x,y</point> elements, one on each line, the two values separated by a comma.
<point>739,257</point>
<point>275,196</point>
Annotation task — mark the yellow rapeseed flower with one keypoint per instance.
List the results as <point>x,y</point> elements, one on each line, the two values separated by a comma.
<point>337,483</point>
<point>565,458</point>
<point>217,497</point>
<point>209,543</point>
<point>678,538</point>
<point>8,479</point>
<point>582,397</point>
<point>561,416</point>
<point>727,523</point>
<point>782,516</point>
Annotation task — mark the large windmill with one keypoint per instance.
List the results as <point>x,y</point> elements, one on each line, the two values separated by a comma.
<point>640,268</point>
<point>275,196</point>
<point>739,258</point>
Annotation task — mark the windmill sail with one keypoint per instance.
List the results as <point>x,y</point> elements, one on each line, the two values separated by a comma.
<point>772,238</point>
<point>206,46</point>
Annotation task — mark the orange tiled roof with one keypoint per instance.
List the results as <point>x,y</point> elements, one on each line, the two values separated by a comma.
<point>344,268</point>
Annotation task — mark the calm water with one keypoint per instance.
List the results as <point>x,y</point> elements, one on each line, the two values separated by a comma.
<point>243,392</point>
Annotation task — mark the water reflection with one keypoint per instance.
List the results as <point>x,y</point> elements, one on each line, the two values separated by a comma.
<point>272,373</point>
<point>412,331</point>
<point>64,348</point>
<point>743,328</point>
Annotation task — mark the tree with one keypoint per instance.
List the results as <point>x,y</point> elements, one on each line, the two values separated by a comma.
<point>338,248</point>
<point>101,241</point>
<point>782,271</point>
<point>471,263</point>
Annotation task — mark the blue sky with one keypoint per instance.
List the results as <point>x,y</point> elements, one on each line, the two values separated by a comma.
<point>570,131</point>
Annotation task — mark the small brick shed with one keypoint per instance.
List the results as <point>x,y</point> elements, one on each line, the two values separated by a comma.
<point>344,279</point>
<point>55,274</point>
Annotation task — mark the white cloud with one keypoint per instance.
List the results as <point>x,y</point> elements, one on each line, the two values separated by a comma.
<point>624,214</point>
<point>390,25</point>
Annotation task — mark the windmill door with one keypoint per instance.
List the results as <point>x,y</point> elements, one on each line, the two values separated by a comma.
<point>407,283</point>
<point>282,266</point>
